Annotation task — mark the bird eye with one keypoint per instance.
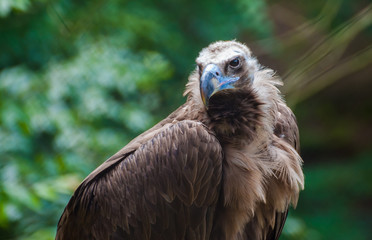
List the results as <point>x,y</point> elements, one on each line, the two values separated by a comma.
<point>234,63</point>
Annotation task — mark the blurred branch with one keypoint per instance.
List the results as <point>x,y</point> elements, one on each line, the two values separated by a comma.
<point>60,18</point>
<point>303,29</point>
<point>326,77</point>
<point>323,62</point>
<point>325,56</point>
<point>308,27</point>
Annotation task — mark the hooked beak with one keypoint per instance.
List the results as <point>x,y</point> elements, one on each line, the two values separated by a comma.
<point>212,81</point>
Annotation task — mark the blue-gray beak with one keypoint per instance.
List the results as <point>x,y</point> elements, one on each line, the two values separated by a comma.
<point>213,81</point>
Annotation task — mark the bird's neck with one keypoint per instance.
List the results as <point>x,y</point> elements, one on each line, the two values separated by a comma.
<point>235,114</point>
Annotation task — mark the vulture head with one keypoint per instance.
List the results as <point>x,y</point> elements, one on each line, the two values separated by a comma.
<point>233,89</point>
<point>223,66</point>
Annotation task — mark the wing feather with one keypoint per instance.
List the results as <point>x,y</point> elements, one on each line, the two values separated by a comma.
<point>285,128</point>
<point>166,189</point>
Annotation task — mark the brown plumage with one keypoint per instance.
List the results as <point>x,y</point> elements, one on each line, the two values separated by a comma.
<point>224,165</point>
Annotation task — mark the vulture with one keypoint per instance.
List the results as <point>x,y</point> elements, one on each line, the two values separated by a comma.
<point>224,165</point>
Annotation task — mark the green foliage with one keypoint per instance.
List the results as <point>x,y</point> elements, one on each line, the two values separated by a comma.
<point>6,6</point>
<point>58,124</point>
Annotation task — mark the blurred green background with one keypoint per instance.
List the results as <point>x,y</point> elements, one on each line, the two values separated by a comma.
<point>79,79</point>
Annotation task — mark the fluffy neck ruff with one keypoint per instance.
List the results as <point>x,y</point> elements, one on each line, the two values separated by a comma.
<point>235,113</point>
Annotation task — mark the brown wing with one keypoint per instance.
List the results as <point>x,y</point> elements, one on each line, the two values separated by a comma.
<point>280,218</point>
<point>166,189</point>
<point>285,128</point>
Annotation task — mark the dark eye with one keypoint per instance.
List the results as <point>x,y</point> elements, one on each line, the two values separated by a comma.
<point>234,63</point>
